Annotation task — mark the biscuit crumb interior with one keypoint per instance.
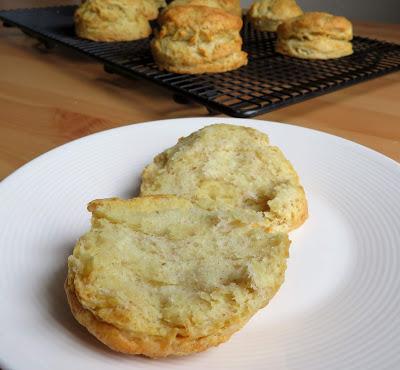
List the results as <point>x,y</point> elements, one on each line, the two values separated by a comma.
<point>226,165</point>
<point>162,266</point>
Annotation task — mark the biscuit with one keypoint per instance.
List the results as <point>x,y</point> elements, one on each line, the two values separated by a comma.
<point>198,39</point>
<point>160,276</point>
<point>115,20</point>
<point>230,166</point>
<point>267,15</point>
<point>230,6</point>
<point>315,35</point>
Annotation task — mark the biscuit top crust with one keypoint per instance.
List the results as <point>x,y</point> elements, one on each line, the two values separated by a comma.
<point>200,17</point>
<point>275,9</point>
<point>95,11</point>
<point>316,24</point>
<point>230,6</point>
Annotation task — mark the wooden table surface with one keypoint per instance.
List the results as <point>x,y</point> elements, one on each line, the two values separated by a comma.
<point>50,98</point>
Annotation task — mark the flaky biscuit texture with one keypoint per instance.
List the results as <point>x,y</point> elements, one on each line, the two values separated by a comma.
<point>162,276</point>
<point>115,20</point>
<point>226,165</point>
<point>198,39</point>
<point>315,35</point>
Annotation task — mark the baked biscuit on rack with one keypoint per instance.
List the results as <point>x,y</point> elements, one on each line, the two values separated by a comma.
<point>198,39</point>
<point>267,15</point>
<point>315,35</point>
<point>115,20</point>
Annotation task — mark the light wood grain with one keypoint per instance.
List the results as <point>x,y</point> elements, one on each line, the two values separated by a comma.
<point>50,98</point>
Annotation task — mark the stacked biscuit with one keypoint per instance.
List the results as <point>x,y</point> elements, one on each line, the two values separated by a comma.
<point>314,35</point>
<point>203,36</point>
<point>198,39</point>
<point>195,36</point>
<point>199,36</point>
<point>185,265</point>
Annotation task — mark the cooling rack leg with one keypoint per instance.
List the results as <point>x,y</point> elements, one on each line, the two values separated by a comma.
<point>48,44</point>
<point>108,69</point>
<point>212,112</point>
<point>180,99</point>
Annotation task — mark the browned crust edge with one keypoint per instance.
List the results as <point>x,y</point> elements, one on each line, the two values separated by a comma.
<point>150,346</point>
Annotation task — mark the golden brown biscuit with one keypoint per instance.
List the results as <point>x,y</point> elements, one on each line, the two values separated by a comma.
<point>315,35</point>
<point>161,276</point>
<point>198,39</point>
<point>230,6</point>
<point>267,15</point>
<point>115,20</point>
<point>226,165</point>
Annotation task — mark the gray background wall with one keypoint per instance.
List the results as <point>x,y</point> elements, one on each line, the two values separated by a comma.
<point>387,11</point>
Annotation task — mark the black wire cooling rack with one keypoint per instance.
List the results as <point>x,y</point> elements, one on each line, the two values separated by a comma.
<point>268,82</point>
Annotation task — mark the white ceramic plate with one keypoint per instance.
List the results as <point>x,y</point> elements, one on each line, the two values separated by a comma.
<point>339,305</point>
